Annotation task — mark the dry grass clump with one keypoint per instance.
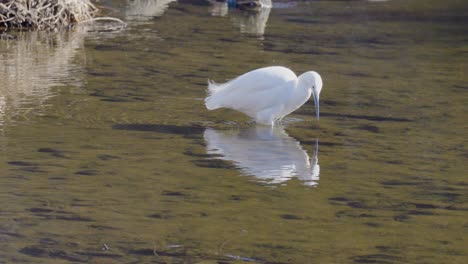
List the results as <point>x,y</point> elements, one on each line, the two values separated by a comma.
<point>45,14</point>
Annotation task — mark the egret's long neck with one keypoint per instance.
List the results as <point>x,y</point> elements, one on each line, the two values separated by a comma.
<point>303,88</point>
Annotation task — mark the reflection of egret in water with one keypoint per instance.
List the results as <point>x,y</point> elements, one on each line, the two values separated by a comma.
<point>249,21</point>
<point>146,9</point>
<point>252,22</point>
<point>267,153</point>
<point>32,64</point>
<point>219,8</point>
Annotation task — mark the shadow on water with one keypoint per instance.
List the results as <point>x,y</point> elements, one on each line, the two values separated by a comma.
<point>366,117</point>
<point>165,129</point>
<point>267,153</point>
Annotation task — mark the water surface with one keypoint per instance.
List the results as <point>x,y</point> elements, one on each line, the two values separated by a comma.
<point>107,154</point>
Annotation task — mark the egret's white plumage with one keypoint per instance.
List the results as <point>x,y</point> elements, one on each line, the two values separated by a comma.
<point>266,94</point>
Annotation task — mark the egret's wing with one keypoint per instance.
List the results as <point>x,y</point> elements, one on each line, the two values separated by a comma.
<point>253,91</point>
<point>259,79</point>
<point>256,100</point>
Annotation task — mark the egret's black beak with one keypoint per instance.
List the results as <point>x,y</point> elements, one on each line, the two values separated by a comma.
<point>317,106</point>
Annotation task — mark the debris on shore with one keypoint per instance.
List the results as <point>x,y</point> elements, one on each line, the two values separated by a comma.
<point>46,14</point>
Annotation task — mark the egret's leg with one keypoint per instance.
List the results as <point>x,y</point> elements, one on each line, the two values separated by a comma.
<point>266,117</point>
<point>251,122</point>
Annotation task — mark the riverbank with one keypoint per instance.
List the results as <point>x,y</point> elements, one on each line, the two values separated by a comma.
<point>44,14</point>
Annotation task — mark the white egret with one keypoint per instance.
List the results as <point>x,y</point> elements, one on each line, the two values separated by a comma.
<point>266,94</point>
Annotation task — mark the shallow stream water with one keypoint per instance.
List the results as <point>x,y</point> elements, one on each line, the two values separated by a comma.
<point>108,155</point>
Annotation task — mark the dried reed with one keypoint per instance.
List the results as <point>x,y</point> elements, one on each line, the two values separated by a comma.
<point>46,14</point>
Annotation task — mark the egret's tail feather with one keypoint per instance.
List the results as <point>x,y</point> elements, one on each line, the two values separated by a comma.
<point>210,101</point>
<point>213,101</point>
<point>216,87</point>
<point>212,87</point>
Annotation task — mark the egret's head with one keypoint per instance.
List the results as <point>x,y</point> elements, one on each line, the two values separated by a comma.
<point>314,81</point>
<point>317,85</point>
